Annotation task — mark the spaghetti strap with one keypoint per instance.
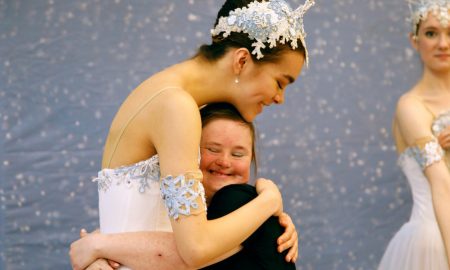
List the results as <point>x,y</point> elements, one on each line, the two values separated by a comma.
<point>133,116</point>
<point>426,107</point>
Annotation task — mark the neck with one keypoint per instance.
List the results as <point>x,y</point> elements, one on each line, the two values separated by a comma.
<point>207,82</point>
<point>436,80</point>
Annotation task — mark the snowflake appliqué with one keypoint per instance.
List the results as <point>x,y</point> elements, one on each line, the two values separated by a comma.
<point>181,194</point>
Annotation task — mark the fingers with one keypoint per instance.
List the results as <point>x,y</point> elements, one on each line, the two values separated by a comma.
<point>289,239</point>
<point>444,139</point>
<point>290,242</point>
<point>113,264</point>
<point>100,264</point>
<point>292,254</point>
<point>286,240</point>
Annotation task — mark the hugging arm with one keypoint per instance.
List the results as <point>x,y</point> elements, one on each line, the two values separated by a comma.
<point>199,240</point>
<point>175,133</point>
<point>136,250</point>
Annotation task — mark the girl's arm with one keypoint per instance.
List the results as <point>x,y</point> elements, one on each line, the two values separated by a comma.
<point>414,123</point>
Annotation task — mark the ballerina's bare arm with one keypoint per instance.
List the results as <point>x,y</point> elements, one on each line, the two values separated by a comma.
<point>136,250</point>
<point>140,250</point>
<point>177,142</point>
<point>414,122</point>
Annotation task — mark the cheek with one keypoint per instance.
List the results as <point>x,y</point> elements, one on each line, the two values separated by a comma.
<point>205,160</point>
<point>243,169</point>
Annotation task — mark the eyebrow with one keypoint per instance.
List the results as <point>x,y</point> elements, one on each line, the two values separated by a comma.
<point>239,147</point>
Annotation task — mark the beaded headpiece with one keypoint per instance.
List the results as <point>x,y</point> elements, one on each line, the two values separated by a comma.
<point>266,22</point>
<point>421,8</point>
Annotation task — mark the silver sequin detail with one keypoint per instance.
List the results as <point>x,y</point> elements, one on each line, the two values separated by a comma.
<point>421,8</point>
<point>138,174</point>
<point>266,22</point>
<point>430,154</point>
<point>441,122</point>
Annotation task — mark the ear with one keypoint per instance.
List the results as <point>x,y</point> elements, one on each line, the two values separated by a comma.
<point>414,41</point>
<point>241,59</point>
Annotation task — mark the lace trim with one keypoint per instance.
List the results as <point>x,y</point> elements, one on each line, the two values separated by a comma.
<point>441,122</point>
<point>141,172</point>
<point>428,155</point>
<point>183,194</point>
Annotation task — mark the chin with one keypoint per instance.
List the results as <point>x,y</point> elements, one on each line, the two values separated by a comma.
<point>250,116</point>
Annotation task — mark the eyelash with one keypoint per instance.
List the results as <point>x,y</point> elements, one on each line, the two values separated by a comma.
<point>214,150</point>
<point>430,33</point>
<point>279,85</point>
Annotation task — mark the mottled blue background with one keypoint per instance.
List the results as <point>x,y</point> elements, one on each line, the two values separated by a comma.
<point>65,67</point>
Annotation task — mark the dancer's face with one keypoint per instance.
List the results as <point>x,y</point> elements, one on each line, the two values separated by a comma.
<point>226,154</point>
<point>264,84</point>
<point>433,43</point>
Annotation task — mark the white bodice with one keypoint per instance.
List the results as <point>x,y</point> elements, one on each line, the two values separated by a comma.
<point>130,198</point>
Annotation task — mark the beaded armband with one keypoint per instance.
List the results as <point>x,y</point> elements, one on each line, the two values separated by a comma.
<point>427,151</point>
<point>183,194</point>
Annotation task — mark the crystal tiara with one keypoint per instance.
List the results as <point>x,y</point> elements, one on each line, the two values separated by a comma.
<point>421,8</point>
<point>266,22</point>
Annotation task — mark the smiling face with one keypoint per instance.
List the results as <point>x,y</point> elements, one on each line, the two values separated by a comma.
<point>433,43</point>
<point>226,154</point>
<point>263,84</point>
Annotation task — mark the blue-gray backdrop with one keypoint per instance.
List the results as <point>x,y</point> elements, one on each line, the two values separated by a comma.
<point>65,67</point>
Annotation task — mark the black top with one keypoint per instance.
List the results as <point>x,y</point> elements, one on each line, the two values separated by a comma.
<point>260,249</point>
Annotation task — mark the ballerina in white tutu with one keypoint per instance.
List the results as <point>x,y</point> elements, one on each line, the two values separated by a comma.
<point>422,135</point>
<point>151,182</point>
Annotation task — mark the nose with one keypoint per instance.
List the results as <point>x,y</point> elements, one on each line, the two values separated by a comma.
<point>279,98</point>
<point>223,161</point>
<point>444,42</point>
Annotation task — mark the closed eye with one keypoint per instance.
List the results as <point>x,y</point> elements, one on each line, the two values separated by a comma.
<point>212,149</point>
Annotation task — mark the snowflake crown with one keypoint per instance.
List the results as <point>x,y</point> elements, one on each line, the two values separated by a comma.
<point>266,22</point>
<point>421,8</point>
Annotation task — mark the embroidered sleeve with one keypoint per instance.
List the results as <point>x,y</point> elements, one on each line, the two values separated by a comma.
<point>427,151</point>
<point>183,194</point>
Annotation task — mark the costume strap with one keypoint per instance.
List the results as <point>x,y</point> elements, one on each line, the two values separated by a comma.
<point>141,107</point>
<point>183,194</point>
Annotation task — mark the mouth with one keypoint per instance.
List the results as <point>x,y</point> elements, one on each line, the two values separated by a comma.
<point>219,173</point>
<point>261,106</point>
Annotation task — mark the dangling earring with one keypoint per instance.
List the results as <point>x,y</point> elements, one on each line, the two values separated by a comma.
<point>236,80</point>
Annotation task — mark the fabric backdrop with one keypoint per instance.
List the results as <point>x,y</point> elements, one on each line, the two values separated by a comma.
<point>66,66</point>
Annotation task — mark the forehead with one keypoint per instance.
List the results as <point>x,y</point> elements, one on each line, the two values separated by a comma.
<point>222,128</point>
<point>289,63</point>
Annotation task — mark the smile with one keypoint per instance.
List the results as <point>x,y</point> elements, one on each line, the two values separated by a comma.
<point>217,173</point>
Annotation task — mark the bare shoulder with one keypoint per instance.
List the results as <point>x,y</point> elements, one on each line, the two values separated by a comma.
<point>412,119</point>
<point>176,103</point>
<point>409,103</point>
